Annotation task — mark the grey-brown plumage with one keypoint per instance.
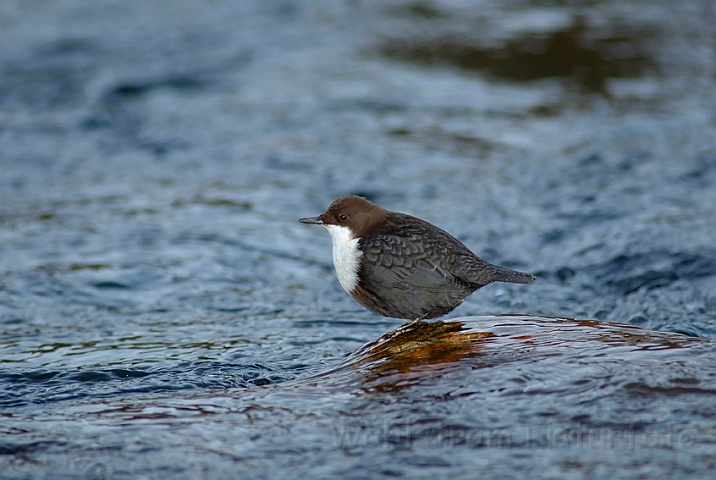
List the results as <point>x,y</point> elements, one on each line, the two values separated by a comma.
<point>404,267</point>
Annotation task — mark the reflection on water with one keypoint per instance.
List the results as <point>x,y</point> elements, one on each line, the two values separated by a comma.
<point>585,55</point>
<point>483,342</point>
<point>404,356</point>
<point>522,391</point>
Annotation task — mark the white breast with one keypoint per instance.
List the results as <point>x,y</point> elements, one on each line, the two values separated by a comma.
<point>346,256</point>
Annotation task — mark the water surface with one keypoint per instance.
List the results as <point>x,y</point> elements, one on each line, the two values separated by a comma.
<point>163,314</point>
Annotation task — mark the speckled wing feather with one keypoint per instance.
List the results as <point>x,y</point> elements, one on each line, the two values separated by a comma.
<point>404,281</point>
<point>411,269</point>
<point>401,262</point>
<point>449,254</point>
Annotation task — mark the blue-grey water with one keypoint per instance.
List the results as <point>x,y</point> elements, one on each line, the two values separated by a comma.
<point>163,314</point>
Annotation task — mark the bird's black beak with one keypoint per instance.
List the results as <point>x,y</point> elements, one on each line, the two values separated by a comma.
<point>311,220</point>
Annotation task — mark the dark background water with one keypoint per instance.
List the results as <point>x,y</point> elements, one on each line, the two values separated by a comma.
<point>162,313</point>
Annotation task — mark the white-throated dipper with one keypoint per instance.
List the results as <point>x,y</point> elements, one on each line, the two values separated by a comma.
<point>400,266</point>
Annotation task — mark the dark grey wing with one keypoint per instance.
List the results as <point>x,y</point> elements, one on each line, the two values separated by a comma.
<point>452,256</point>
<point>399,262</point>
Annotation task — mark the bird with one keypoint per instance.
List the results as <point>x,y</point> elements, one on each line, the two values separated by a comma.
<point>400,266</point>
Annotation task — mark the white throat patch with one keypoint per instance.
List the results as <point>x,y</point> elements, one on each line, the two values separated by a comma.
<point>346,256</point>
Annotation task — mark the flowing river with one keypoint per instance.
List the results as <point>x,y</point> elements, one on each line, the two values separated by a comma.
<point>164,315</point>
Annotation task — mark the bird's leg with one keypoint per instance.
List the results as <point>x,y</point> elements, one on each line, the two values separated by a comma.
<point>404,327</point>
<point>410,323</point>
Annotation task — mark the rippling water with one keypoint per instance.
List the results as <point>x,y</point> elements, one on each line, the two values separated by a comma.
<point>162,313</point>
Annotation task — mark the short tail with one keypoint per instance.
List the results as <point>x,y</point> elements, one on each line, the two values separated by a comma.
<point>511,276</point>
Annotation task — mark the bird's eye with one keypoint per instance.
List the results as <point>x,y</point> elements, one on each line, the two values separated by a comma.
<point>342,217</point>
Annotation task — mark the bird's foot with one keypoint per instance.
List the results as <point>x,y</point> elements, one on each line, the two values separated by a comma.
<point>411,323</point>
<point>401,329</point>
